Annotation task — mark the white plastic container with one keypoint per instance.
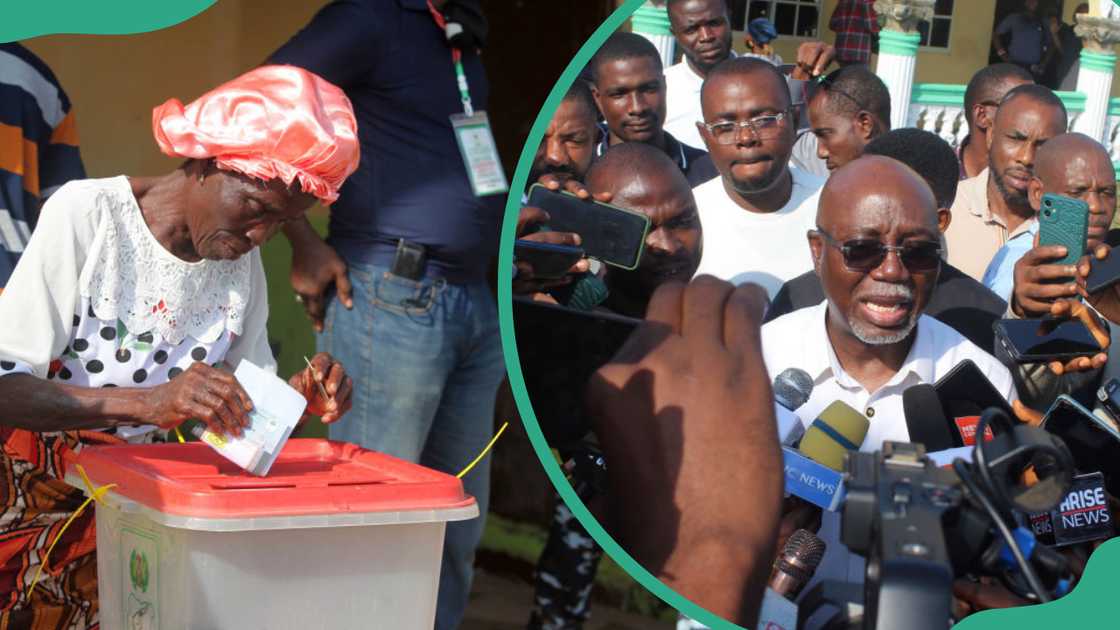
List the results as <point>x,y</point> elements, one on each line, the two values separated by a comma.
<point>335,537</point>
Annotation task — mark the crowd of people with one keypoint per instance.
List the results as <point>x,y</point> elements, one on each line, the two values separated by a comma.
<point>801,232</point>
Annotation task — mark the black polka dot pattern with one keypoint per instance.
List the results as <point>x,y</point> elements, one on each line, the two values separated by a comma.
<point>89,311</point>
<point>65,374</point>
<point>7,365</point>
<point>123,355</point>
<point>81,345</point>
<point>139,376</point>
<point>95,367</point>
<point>173,372</point>
<point>108,333</point>
<point>77,320</point>
<point>146,338</point>
<point>160,357</point>
<point>198,354</point>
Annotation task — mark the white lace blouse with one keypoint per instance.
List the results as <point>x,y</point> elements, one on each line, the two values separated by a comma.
<point>96,301</point>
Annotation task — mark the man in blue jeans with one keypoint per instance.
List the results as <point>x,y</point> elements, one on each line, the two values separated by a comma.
<point>417,331</point>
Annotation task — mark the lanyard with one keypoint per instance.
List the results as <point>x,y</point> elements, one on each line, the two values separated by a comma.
<point>457,59</point>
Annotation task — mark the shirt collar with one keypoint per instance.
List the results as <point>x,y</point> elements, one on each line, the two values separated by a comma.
<point>820,361</point>
<point>673,147</point>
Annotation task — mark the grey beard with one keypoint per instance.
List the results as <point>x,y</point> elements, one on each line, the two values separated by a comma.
<point>875,338</point>
<point>878,339</point>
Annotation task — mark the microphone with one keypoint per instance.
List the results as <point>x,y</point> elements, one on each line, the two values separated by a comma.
<point>792,571</point>
<point>791,390</point>
<point>965,392</point>
<point>925,418</point>
<point>1083,514</point>
<point>796,564</point>
<point>813,472</point>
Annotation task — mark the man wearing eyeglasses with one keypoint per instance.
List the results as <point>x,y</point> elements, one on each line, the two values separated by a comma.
<point>850,108</point>
<point>755,213</point>
<point>876,249</point>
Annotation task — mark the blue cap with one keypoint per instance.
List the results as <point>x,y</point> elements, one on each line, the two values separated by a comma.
<point>762,30</point>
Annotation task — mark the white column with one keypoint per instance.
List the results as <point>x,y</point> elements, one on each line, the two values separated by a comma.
<point>898,50</point>
<point>652,22</point>
<point>1094,79</point>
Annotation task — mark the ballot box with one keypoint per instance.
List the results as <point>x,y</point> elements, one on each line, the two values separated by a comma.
<point>334,537</point>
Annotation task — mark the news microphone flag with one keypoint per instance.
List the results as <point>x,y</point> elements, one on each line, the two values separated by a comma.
<point>1083,514</point>
<point>816,483</point>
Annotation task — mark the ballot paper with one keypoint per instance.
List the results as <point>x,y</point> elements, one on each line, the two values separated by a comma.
<point>277,409</point>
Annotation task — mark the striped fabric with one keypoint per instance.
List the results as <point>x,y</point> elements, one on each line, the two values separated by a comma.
<point>38,147</point>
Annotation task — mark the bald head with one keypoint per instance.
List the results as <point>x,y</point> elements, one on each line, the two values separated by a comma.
<point>1058,156</point>
<point>633,169</point>
<point>644,179</point>
<point>875,184</point>
<point>876,295</point>
<point>1075,165</point>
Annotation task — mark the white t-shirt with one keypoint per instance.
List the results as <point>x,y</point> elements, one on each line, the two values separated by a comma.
<point>799,339</point>
<point>765,248</point>
<point>682,104</point>
<point>682,100</point>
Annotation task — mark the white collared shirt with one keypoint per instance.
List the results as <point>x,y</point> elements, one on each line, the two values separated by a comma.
<point>799,339</point>
<point>767,248</point>
<point>682,103</point>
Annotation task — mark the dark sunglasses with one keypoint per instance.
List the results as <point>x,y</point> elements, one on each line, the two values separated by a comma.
<point>864,255</point>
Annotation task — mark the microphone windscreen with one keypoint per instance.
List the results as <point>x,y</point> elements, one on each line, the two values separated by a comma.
<point>792,388</point>
<point>804,548</point>
<point>925,418</point>
<point>837,430</point>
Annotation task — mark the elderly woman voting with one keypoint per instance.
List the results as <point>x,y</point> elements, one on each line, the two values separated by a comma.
<point>132,295</point>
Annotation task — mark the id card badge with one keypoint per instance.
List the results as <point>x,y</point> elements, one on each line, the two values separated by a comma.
<point>480,154</point>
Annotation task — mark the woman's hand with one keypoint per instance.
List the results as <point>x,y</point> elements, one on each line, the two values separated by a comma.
<point>209,394</point>
<point>324,374</point>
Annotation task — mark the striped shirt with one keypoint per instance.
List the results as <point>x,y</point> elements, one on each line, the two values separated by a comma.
<point>38,147</point>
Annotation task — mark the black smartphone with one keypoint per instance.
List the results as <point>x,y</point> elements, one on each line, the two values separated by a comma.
<point>410,261</point>
<point>608,233</point>
<point>1103,273</point>
<point>1041,340</point>
<point>965,392</point>
<point>549,260</point>
<point>559,349</point>
<point>1092,441</point>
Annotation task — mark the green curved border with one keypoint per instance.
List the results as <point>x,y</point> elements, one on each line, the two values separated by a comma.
<point>23,20</point>
<point>509,344</point>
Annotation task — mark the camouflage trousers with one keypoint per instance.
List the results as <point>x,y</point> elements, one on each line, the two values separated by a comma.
<point>565,574</point>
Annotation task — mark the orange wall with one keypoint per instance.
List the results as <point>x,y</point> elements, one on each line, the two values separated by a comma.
<point>115,81</point>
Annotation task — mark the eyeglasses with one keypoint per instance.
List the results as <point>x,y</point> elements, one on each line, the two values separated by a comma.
<point>864,255</point>
<point>763,126</point>
<point>827,82</point>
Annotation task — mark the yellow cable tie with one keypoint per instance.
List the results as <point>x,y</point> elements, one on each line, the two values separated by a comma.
<point>179,434</point>
<point>95,494</point>
<point>484,452</point>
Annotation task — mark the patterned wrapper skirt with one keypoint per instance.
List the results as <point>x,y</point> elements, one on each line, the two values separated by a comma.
<point>36,504</point>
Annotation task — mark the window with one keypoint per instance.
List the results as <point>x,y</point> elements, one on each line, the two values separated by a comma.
<point>935,33</point>
<point>791,18</point>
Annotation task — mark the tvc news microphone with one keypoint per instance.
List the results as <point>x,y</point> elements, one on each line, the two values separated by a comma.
<point>813,471</point>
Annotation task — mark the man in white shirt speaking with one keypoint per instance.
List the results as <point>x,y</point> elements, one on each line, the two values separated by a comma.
<point>756,214</point>
<point>877,252</point>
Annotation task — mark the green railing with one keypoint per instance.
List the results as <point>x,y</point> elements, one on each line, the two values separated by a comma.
<point>950,95</point>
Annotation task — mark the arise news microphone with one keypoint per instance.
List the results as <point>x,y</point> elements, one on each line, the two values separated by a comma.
<point>813,473</point>
<point>1083,514</point>
<point>792,389</point>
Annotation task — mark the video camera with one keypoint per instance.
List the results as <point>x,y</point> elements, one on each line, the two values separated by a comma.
<point>921,526</point>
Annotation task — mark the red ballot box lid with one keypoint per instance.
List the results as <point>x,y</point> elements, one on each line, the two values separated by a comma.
<point>311,476</point>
